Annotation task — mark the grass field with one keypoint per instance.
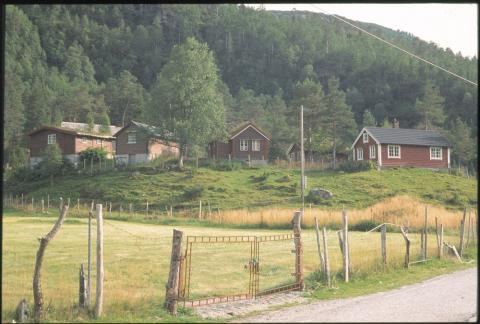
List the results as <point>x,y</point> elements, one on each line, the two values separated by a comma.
<point>137,259</point>
<point>253,188</point>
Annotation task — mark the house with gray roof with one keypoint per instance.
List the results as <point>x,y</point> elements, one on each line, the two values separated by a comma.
<point>401,147</point>
<point>138,142</point>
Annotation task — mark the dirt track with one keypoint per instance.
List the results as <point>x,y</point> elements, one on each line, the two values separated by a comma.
<point>447,298</point>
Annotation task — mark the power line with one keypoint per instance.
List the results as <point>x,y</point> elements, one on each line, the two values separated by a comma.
<point>395,46</point>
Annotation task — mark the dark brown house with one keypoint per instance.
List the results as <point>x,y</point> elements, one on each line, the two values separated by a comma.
<point>72,138</point>
<point>246,142</point>
<point>137,142</point>
<point>400,147</point>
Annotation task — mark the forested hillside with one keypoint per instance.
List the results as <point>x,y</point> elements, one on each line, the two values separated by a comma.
<point>105,64</point>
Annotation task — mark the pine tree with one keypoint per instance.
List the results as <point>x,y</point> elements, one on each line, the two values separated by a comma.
<point>368,119</point>
<point>464,148</point>
<point>431,108</point>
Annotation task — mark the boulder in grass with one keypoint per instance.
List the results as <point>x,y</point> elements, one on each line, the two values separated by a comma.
<point>321,193</point>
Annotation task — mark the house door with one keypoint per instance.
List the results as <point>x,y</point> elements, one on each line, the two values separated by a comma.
<point>131,159</point>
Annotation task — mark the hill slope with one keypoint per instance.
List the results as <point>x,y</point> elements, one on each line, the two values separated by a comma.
<point>254,188</point>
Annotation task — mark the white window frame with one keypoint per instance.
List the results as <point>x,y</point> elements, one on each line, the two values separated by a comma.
<point>51,138</point>
<point>98,141</point>
<point>371,152</point>
<point>243,145</point>
<point>394,156</point>
<point>435,157</point>
<point>256,147</point>
<point>131,140</point>
<point>359,153</point>
<point>365,137</point>
<point>84,139</point>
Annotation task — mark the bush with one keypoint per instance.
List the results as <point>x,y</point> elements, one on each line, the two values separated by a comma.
<point>94,153</point>
<point>193,192</point>
<point>357,166</point>
<point>227,165</point>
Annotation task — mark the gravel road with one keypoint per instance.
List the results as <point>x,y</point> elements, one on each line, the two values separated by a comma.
<point>446,298</point>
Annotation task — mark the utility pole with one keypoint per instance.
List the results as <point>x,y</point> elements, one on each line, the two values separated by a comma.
<point>302,155</point>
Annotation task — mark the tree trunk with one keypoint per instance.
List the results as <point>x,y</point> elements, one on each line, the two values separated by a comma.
<point>37,287</point>
<point>182,154</point>
<point>334,145</point>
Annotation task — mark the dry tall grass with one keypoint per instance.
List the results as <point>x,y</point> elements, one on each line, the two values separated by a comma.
<point>402,210</point>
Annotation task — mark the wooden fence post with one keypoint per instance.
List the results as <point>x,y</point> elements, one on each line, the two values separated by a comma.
<point>200,210</point>
<point>407,247</point>
<point>43,206</point>
<point>462,231</point>
<point>171,211</point>
<point>89,260</point>
<point>99,295</point>
<point>346,257</point>
<point>147,208</point>
<point>426,234</point>
<point>33,209</point>
<point>437,236</point>
<point>441,242</point>
<point>23,206</point>
<point>209,210</point>
<point>468,227</point>
<point>320,256</point>
<point>171,295</point>
<point>82,292</point>
<point>422,244</point>
<point>383,235</point>
<point>298,249</point>
<point>325,250</point>
<point>37,286</point>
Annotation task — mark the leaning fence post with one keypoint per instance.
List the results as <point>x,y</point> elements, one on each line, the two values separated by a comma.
<point>437,236</point>
<point>462,231</point>
<point>171,295</point>
<point>99,295</point>
<point>320,256</point>
<point>327,264</point>
<point>407,247</point>
<point>298,250</point>
<point>346,261</point>
<point>383,234</point>
<point>89,265</point>
<point>37,286</point>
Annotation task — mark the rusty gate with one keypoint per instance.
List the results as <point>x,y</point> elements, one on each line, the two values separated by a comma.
<point>253,267</point>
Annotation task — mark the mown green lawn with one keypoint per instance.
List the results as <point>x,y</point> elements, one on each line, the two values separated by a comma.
<point>254,188</point>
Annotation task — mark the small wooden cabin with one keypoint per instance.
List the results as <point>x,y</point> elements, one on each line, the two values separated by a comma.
<point>137,142</point>
<point>245,142</point>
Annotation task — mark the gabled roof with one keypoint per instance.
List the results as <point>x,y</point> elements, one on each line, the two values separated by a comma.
<point>79,131</point>
<point>82,127</point>
<point>153,131</point>
<point>243,126</point>
<point>405,136</point>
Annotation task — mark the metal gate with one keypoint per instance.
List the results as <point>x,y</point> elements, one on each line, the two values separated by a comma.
<point>254,268</point>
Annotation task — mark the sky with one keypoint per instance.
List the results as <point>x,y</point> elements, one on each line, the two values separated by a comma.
<point>447,25</point>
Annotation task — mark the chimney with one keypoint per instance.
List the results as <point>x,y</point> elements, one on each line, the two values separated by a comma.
<point>396,124</point>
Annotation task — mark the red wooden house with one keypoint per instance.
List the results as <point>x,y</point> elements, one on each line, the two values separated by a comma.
<point>401,147</point>
<point>72,138</point>
<point>245,142</point>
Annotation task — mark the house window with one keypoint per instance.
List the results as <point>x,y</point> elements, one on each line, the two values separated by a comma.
<point>435,153</point>
<point>359,154</point>
<point>98,141</point>
<point>243,145</point>
<point>132,138</point>
<point>255,145</point>
<point>52,138</point>
<point>372,151</point>
<point>84,140</point>
<point>394,151</point>
<point>365,137</point>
